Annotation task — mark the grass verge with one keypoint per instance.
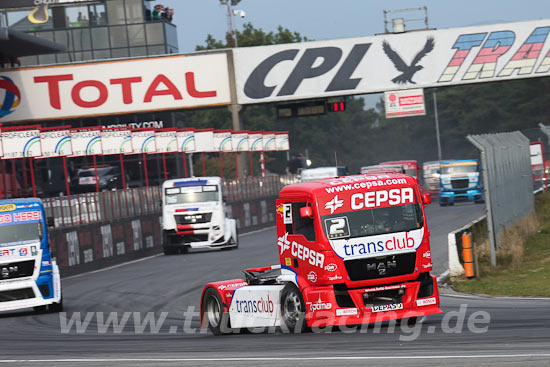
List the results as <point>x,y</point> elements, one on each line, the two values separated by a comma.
<point>523,263</point>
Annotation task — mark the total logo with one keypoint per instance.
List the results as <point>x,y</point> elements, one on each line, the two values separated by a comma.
<point>319,305</point>
<point>12,96</point>
<point>427,255</point>
<point>255,306</point>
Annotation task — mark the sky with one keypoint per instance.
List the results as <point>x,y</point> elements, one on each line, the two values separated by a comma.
<point>324,20</point>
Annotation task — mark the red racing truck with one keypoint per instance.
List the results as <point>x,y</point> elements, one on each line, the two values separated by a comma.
<point>353,250</point>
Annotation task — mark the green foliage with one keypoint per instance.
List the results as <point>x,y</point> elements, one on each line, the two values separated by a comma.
<point>361,136</point>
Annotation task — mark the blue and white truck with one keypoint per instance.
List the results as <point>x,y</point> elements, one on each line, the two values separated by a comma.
<point>28,275</point>
<point>460,180</point>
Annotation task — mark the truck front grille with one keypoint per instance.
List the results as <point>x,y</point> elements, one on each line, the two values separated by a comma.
<point>460,183</point>
<point>193,218</point>
<point>381,267</point>
<point>15,270</point>
<point>16,294</point>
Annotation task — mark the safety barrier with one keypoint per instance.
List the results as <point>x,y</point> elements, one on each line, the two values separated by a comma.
<point>112,205</point>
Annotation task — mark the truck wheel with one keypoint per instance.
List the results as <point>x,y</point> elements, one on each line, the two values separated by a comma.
<point>183,249</point>
<point>293,309</point>
<point>217,319</point>
<point>169,250</point>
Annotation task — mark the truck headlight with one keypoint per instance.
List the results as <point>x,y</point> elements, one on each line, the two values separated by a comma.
<point>473,179</point>
<point>446,181</point>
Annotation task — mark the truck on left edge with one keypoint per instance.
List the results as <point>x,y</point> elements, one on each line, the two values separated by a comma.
<point>28,275</point>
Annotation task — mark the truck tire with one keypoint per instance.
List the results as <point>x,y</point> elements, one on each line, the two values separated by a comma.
<point>293,309</point>
<point>217,320</point>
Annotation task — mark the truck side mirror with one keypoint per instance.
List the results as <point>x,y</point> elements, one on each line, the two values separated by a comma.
<point>306,212</point>
<point>438,171</point>
<point>426,198</point>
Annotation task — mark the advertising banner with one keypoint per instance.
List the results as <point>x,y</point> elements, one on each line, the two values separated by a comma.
<point>281,141</point>
<point>115,87</point>
<point>403,103</point>
<point>167,141</point>
<point>21,143</point>
<point>204,140</point>
<point>55,143</point>
<point>256,140</point>
<point>116,141</point>
<point>86,142</point>
<point>186,140</point>
<point>222,141</point>
<point>269,141</point>
<point>420,59</point>
<point>143,141</point>
<point>240,141</point>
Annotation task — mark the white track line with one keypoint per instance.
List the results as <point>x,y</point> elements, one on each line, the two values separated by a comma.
<point>246,359</point>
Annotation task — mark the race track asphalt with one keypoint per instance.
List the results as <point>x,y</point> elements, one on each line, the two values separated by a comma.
<point>481,331</point>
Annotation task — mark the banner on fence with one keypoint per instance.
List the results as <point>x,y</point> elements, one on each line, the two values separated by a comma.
<point>256,140</point>
<point>222,141</point>
<point>240,141</point>
<point>186,140</point>
<point>143,141</point>
<point>56,143</point>
<point>281,141</point>
<point>269,141</point>
<point>204,140</point>
<point>86,142</point>
<point>117,141</point>
<point>21,143</point>
<point>166,140</point>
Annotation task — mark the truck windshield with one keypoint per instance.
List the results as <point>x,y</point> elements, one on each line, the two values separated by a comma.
<point>191,194</point>
<point>20,232</point>
<point>458,169</point>
<point>372,222</point>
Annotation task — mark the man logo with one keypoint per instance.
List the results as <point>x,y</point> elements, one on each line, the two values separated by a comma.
<point>12,96</point>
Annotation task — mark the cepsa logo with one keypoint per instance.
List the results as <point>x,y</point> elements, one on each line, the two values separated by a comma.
<point>12,96</point>
<point>255,306</point>
<point>300,251</point>
<point>376,199</point>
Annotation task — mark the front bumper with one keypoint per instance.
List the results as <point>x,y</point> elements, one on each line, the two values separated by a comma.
<point>328,305</point>
<point>452,196</point>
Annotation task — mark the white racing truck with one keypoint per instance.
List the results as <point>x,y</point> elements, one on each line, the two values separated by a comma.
<point>194,215</point>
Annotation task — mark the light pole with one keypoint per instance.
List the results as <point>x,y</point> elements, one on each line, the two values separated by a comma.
<point>230,13</point>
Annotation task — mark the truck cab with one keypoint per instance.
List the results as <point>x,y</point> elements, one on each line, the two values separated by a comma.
<point>28,275</point>
<point>352,250</point>
<point>460,180</point>
<point>194,215</point>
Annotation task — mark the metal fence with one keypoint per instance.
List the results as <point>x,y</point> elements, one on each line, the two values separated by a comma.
<point>507,180</point>
<point>112,205</point>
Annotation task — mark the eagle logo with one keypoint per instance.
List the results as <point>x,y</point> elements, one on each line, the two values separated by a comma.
<point>407,71</point>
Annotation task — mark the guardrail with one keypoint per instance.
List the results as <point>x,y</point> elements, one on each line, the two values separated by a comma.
<point>106,206</point>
